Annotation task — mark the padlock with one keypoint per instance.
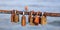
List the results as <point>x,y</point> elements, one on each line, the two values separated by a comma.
<point>23,20</point>
<point>13,16</point>
<point>16,16</point>
<point>30,18</point>
<point>43,20</point>
<point>36,21</point>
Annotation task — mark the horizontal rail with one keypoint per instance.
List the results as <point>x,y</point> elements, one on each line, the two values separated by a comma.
<point>27,13</point>
<point>5,12</point>
<point>18,12</point>
<point>52,14</point>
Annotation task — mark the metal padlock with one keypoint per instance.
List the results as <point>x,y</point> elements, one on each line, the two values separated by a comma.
<point>36,21</point>
<point>30,18</point>
<point>43,20</point>
<point>23,20</point>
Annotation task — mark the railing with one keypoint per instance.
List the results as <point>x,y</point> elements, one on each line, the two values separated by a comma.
<point>27,13</point>
<point>52,14</point>
<point>15,15</point>
<point>37,18</point>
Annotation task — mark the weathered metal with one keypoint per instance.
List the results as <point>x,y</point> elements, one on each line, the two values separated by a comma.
<point>36,21</point>
<point>34,18</point>
<point>43,20</point>
<point>14,16</point>
<point>27,13</point>
<point>30,18</point>
<point>52,14</point>
<point>23,20</point>
<point>5,12</point>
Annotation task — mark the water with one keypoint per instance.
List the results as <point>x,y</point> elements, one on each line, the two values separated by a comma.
<point>53,23</point>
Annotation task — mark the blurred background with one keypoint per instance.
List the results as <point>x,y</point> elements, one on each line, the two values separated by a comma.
<point>53,23</point>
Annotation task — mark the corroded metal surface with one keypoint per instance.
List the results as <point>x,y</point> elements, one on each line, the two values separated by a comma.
<point>52,14</point>
<point>27,13</point>
<point>5,12</point>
